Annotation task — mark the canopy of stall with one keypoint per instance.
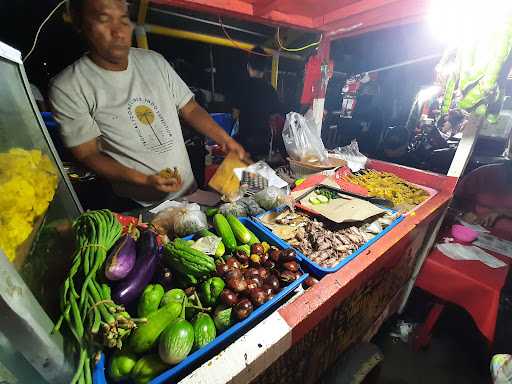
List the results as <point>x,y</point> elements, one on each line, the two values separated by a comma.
<point>336,18</point>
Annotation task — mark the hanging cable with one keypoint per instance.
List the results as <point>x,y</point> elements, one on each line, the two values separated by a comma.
<point>41,27</point>
<point>238,45</point>
<point>280,44</point>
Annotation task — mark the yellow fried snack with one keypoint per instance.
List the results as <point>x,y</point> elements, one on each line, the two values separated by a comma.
<point>169,173</point>
<point>28,180</point>
<point>390,187</point>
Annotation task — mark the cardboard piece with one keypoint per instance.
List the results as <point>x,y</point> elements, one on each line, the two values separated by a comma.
<point>225,180</point>
<point>344,210</point>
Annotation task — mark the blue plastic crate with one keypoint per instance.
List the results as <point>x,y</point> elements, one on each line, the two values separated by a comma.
<point>319,271</point>
<point>224,339</point>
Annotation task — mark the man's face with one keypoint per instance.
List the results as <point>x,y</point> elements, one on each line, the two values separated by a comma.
<point>107,29</point>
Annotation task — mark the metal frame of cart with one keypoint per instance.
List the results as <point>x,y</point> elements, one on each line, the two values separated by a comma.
<point>305,336</point>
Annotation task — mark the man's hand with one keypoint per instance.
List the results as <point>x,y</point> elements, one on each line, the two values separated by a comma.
<point>232,146</point>
<point>489,219</point>
<point>163,184</point>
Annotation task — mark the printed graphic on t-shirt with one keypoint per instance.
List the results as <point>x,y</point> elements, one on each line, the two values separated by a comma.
<point>151,127</point>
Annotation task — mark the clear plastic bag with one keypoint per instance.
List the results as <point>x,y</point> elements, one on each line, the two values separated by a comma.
<point>181,220</point>
<point>236,209</point>
<point>273,197</point>
<point>246,206</point>
<point>350,153</point>
<point>302,141</point>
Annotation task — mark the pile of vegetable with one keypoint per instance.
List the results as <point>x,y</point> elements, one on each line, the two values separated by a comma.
<point>206,294</point>
<point>88,311</point>
<point>390,187</point>
<point>148,305</point>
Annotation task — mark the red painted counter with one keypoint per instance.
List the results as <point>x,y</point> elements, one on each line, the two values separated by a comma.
<point>303,338</point>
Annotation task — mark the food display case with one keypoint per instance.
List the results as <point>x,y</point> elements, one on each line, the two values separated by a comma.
<point>37,206</point>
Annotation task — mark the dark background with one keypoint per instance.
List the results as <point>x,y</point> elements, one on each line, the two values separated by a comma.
<point>59,46</point>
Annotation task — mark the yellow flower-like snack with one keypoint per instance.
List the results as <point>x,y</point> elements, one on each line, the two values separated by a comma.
<point>28,180</point>
<point>390,187</point>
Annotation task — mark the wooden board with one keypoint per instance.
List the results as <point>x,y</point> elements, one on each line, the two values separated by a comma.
<point>224,180</point>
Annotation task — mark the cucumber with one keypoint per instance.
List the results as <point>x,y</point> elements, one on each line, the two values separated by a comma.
<point>121,364</point>
<point>224,230</point>
<point>323,199</point>
<point>241,233</point>
<point>146,368</point>
<point>254,239</point>
<point>204,330</point>
<point>210,212</point>
<point>174,295</point>
<point>176,342</point>
<point>150,300</point>
<point>314,200</point>
<point>221,250</point>
<point>146,335</point>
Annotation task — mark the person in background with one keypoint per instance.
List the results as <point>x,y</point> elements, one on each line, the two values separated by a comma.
<point>255,105</point>
<point>367,122</point>
<point>119,110</point>
<point>38,97</point>
<point>486,195</point>
<point>394,146</point>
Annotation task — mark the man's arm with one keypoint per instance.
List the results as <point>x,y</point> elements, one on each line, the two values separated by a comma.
<point>89,154</point>
<point>202,122</point>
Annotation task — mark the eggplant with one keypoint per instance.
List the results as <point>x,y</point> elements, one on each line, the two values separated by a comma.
<point>121,259</point>
<point>148,253</point>
<point>164,276</point>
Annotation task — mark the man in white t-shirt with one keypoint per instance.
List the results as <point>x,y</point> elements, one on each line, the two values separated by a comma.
<point>118,108</point>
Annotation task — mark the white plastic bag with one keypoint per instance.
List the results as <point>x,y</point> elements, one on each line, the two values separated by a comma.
<point>302,141</point>
<point>207,244</point>
<point>350,153</point>
<point>180,220</point>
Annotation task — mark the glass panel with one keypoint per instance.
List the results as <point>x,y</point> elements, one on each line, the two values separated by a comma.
<point>14,368</point>
<point>36,204</point>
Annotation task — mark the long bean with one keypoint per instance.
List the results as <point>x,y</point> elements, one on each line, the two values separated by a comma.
<point>77,320</point>
<point>85,303</point>
<point>79,370</point>
<point>87,371</point>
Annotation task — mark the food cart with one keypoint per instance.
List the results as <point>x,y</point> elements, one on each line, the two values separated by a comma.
<point>307,334</point>
<point>300,341</point>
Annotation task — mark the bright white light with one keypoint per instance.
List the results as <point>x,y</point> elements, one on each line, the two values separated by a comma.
<point>460,21</point>
<point>427,93</point>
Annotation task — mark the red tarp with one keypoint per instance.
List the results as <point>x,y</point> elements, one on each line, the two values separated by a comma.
<point>336,17</point>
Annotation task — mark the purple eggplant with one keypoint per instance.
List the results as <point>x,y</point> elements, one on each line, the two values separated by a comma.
<point>121,259</point>
<point>164,276</point>
<point>132,286</point>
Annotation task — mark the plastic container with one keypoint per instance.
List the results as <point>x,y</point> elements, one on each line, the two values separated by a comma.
<point>319,271</point>
<point>224,339</point>
<point>225,120</point>
<point>464,234</point>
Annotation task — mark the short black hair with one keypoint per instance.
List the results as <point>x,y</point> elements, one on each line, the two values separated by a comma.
<point>76,10</point>
<point>395,137</point>
<point>257,60</point>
